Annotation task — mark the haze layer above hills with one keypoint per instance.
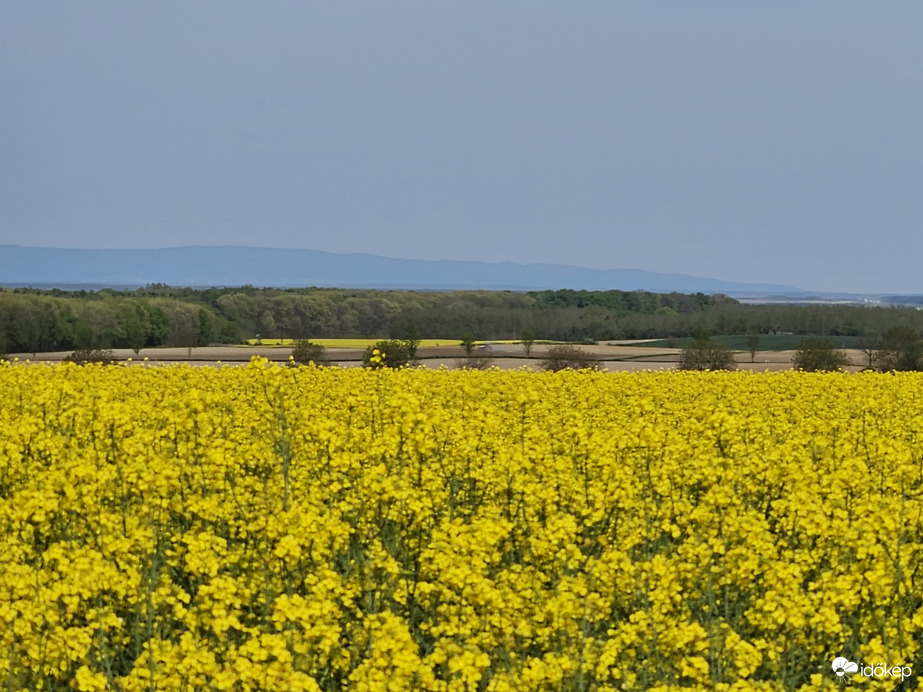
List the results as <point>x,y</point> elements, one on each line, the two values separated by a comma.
<point>234,266</point>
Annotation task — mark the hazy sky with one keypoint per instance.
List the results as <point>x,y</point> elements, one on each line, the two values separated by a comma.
<point>757,141</point>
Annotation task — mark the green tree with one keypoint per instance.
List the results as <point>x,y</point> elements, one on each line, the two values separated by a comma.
<point>183,325</point>
<point>467,343</point>
<point>82,334</point>
<point>305,352</point>
<point>267,325</point>
<point>411,340</point>
<point>819,355</point>
<point>159,328</point>
<point>22,328</point>
<point>49,330</point>
<point>134,321</point>
<point>392,353</point>
<point>206,327</point>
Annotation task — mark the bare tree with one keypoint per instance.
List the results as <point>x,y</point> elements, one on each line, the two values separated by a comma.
<point>868,346</point>
<point>527,341</point>
<point>753,343</point>
<point>900,349</point>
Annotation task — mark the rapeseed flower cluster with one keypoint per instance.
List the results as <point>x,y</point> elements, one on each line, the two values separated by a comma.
<point>269,528</point>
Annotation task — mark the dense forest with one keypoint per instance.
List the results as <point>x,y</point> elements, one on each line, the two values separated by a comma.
<point>34,320</point>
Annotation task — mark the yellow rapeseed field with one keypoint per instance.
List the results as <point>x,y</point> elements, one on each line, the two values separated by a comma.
<point>272,528</point>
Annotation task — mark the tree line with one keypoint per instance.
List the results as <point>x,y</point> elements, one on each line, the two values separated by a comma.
<point>39,320</point>
<point>898,349</point>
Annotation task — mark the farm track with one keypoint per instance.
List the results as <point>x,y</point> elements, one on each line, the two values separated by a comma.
<point>612,356</point>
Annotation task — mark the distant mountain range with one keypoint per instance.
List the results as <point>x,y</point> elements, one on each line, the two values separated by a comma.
<point>201,266</point>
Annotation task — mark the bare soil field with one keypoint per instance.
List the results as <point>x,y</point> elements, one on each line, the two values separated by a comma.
<point>623,356</point>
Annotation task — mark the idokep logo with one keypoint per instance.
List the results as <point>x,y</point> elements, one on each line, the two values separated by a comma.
<point>841,666</point>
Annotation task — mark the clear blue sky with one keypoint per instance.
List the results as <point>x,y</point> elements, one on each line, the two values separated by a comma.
<point>755,141</point>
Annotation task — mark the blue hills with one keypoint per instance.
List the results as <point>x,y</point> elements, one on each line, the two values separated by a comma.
<point>205,266</point>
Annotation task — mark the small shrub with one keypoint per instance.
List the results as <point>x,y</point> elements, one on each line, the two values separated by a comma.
<point>819,355</point>
<point>85,356</point>
<point>705,354</point>
<point>478,361</point>
<point>568,357</point>
<point>390,353</point>
<point>305,352</point>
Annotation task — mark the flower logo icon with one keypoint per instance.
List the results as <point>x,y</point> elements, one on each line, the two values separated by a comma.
<point>841,666</point>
